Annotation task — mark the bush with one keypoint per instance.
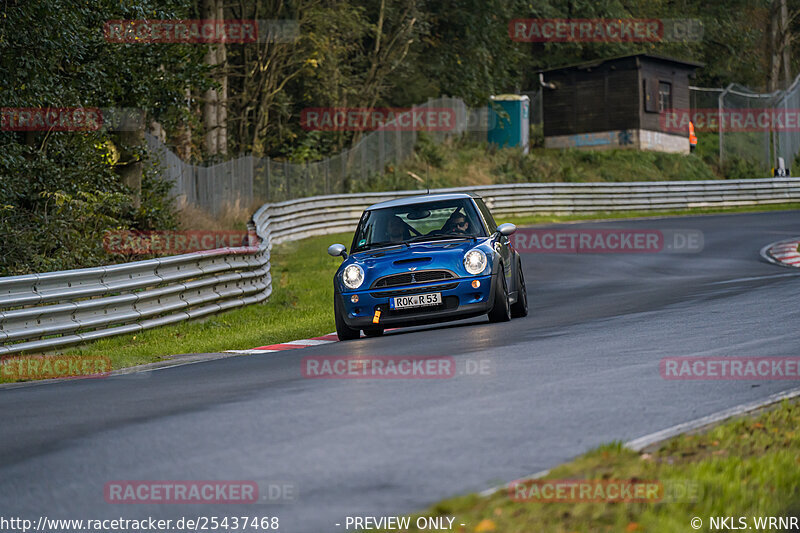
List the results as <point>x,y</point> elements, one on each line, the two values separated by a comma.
<point>58,204</point>
<point>735,167</point>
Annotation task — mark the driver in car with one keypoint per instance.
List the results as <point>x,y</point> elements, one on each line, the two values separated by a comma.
<point>458,224</point>
<point>396,230</point>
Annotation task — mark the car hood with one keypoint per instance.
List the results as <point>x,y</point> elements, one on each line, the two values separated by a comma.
<point>447,255</point>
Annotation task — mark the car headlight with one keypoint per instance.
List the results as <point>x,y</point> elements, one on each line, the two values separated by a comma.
<point>353,276</point>
<point>475,262</point>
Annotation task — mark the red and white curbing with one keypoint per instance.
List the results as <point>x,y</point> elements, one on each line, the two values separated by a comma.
<point>294,345</point>
<point>785,252</point>
<point>291,345</point>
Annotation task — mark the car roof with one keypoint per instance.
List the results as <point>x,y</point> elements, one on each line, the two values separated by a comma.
<point>425,198</point>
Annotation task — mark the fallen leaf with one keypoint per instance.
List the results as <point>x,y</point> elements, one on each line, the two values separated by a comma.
<point>485,525</point>
<point>633,526</point>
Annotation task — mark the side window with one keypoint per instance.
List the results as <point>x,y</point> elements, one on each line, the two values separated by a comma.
<point>664,96</point>
<point>650,95</point>
<point>363,232</point>
<point>487,216</point>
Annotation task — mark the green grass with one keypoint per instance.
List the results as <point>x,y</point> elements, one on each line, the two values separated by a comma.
<point>746,467</point>
<point>300,305</point>
<point>461,162</point>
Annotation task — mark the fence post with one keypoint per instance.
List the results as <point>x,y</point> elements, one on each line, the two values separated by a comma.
<point>327,167</point>
<point>398,145</point>
<point>363,148</point>
<point>268,162</point>
<point>381,151</point>
<point>345,156</point>
<point>720,109</point>
<point>288,180</point>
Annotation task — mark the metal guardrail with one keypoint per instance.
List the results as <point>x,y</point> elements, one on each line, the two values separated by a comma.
<point>321,215</point>
<point>39,312</point>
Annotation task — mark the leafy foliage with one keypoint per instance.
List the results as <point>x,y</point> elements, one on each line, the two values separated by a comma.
<point>59,190</point>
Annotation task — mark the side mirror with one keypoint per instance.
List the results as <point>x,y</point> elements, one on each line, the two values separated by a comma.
<point>337,249</point>
<point>506,229</point>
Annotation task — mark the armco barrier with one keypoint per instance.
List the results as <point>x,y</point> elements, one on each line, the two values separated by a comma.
<point>320,215</point>
<point>39,312</point>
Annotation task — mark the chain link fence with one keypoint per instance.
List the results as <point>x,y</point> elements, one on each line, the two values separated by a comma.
<point>747,127</point>
<point>747,143</point>
<point>249,179</point>
<point>787,141</point>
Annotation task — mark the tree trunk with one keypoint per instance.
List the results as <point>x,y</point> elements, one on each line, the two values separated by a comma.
<point>183,134</point>
<point>222,101</point>
<point>786,39</point>
<point>215,110</point>
<point>130,166</point>
<point>773,46</point>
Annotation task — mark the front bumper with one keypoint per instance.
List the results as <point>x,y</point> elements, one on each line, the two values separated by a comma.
<point>460,300</point>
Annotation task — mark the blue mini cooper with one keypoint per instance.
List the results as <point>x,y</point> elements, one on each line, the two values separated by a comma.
<point>426,259</point>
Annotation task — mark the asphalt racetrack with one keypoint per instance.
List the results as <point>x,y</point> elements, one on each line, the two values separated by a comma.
<point>581,370</point>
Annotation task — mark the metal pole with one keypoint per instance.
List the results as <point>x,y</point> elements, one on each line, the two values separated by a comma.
<point>268,163</point>
<point>721,119</point>
<point>288,181</point>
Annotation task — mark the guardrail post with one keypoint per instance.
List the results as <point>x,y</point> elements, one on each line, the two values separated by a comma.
<point>327,167</point>
<point>268,164</point>
<point>288,180</point>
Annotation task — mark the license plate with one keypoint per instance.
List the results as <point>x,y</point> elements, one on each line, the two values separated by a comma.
<point>416,300</point>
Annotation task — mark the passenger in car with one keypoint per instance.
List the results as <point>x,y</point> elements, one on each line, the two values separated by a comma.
<point>396,230</point>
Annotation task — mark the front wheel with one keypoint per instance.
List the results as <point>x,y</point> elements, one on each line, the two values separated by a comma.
<point>343,331</point>
<point>501,310</point>
<point>520,307</point>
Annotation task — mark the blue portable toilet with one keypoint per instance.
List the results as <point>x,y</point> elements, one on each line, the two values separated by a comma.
<point>513,130</point>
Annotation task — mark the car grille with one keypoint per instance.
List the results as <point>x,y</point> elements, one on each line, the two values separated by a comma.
<point>415,290</point>
<point>409,278</point>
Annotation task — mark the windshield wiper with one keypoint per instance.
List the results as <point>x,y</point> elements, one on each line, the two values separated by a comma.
<point>380,244</point>
<point>442,237</point>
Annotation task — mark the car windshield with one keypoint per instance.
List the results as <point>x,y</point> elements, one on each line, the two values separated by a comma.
<point>418,222</point>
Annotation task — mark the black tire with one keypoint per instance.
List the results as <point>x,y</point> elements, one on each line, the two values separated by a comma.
<point>343,331</point>
<point>520,307</point>
<point>501,309</point>
<point>373,332</point>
